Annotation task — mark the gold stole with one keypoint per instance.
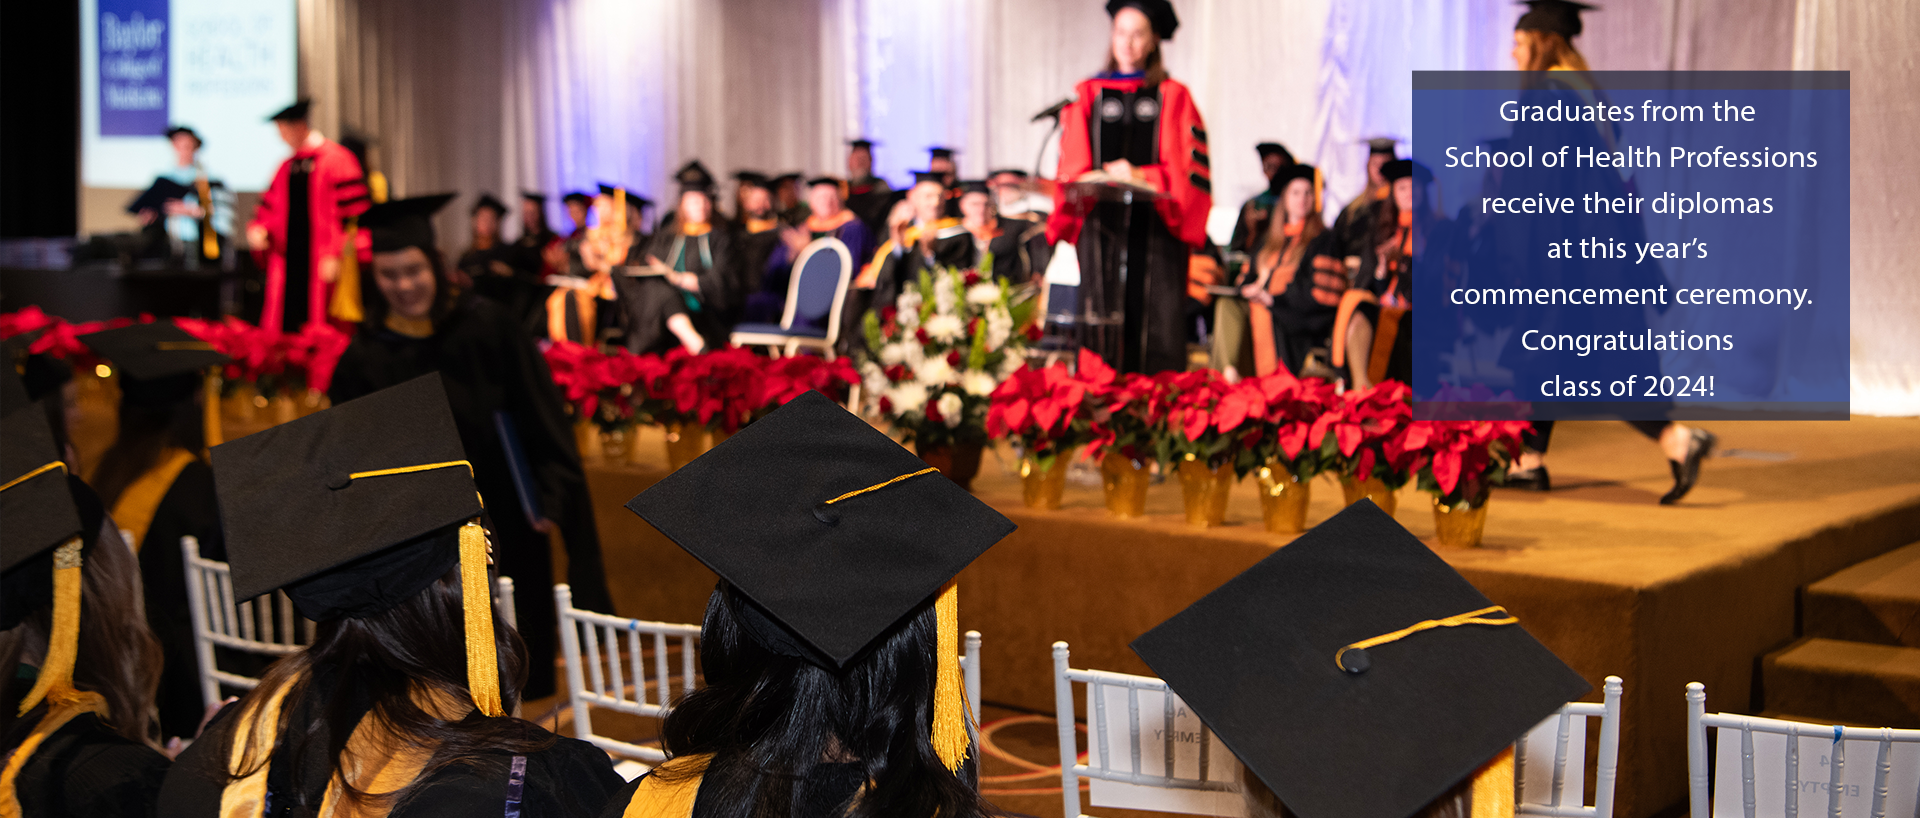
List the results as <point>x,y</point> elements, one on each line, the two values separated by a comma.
<point>58,714</point>
<point>660,798</point>
<point>141,500</point>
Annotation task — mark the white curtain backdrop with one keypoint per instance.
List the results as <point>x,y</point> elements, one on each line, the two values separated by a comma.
<point>555,95</point>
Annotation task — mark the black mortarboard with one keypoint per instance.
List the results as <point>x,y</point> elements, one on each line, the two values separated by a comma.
<point>1400,168</point>
<point>758,509</point>
<point>403,223</point>
<point>488,202</point>
<point>693,177</point>
<point>1008,171</point>
<point>296,517</point>
<point>940,152</point>
<point>752,177</point>
<point>297,112</point>
<point>159,362</point>
<point>156,196</point>
<point>39,374</point>
<point>1256,660</point>
<point>823,180</point>
<point>861,143</point>
<point>182,129</point>
<point>536,198</point>
<point>1159,14</point>
<point>1286,175</point>
<point>975,186</point>
<point>1266,149</point>
<point>929,176</point>
<point>36,508</point>
<point>1560,17</point>
<point>577,196</point>
<point>1382,145</point>
<point>783,179</point>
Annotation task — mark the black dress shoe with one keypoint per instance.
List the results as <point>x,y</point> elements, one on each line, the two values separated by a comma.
<point>1686,473</point>
<point>1534,479</point>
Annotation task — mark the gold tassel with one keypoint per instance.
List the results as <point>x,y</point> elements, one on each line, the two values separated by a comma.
<point>210,407</point>
<point>483,668</point>
<point>377,187</point>
<point>56,672</point>
<point>346,304</point>
<point>1493,787</point>
<point>949,699</point>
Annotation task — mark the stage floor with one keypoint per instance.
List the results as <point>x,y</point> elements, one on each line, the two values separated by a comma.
<point>1611,581</point>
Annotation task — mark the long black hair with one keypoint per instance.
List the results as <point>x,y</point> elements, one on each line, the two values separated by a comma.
<point>373,667</point>
<point>769,720</point>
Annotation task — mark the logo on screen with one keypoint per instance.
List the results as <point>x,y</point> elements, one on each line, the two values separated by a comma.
<point>133,67</point>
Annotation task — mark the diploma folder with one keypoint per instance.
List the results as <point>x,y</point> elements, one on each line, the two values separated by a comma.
<point>156,197</point>
<point>518,465</point>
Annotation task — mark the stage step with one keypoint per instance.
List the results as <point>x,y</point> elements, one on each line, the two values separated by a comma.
<point>1877,601</point>
<point>1831,681</point>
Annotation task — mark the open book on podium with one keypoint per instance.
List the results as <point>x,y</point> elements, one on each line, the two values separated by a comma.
<point>1097,186</point>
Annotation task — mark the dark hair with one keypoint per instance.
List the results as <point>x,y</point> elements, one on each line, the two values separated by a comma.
<point>417,646</point>
<point>118,657</point>
<point>147,430</point>
<point>768,720</point>
<point>446,294</point>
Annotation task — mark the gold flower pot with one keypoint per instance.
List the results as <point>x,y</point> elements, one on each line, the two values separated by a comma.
<point>587,439</point>
<point>959,462</point>
<point>239,407</point>
<point>1205,491</point>
<point>616,442</point>
<point>1459,525</point>
<point>1043,488</point>
<point>1125,481</point>
<point>285,408</point>
<point>1372,488</point>
<point>685,441</point>
<point>1283,499</point>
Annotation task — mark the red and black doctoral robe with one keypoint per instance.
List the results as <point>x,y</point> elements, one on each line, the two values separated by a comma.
<point>305,211</point>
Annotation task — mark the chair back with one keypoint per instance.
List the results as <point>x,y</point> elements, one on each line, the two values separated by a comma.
<point>608,666</point>
<point>1550,760</point>
<point>1212,766</point>
<point>819,285</point>
<point>1883,778</point>
<point>267,626</point>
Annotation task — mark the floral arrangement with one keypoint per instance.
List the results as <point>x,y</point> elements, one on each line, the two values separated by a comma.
<point>1458,461</point>
<point>723,389</point>
<point>598,386</point>
<point>1131,418</point>
<point>272,362</point>
<point>1363,434</point>
<point>939,352</point>
<point>1287,407</point>
<point>1049,411</point>
<point>718,389</point>
<point>783,379</point>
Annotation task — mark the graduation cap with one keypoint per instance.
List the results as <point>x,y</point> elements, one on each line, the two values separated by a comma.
<point>752,177</point>
<point>1266,149</point>
<point>1402,168</point>
<point>920,176</point>
<point>40,544</point>
<point>536,198</point>
<point>487,201</point>
<point>940,152</point>
<point>1560,17</point>
<point>161,364</point>
<point>577,196</point>
<point>1159,14</point>
<point>694,178</point>
<point>1357,674</point>
<point>182,129</point>
<point>975,186</point>
<point>156,197</point>
<point>861,143</point>
<point>297,112</point>
<point>784,178</point>
<point>823,180</point>
<point>358,508</point>
<point>1381,145</point>
<point>1008,172</point>
<point>834,534</point>
<point>404,223</point>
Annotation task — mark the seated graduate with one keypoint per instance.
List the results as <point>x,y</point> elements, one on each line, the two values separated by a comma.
<point>1012,196</point>
<point>512,420</point>
<point>920,237</point>
<point>1387,691</point>
<point>1354,225</point>
<point>1250,227</point>
<point>367,516</point>
<point>1298,279</point>
<point>1243,328</point>
<point>578,205</point>
<point>1006,239</point>
<point>76,732</point>
<point>788,204</point>
<point>495,269</point>
<point>760,230</point>
<point>535,245</point>
<point>868,196</point>
<point>159,489</point>
<point>583,305</point>
<point>814,707</point>
<point>1373,334</point>
<point>828,217</point>
<point>694,302</point>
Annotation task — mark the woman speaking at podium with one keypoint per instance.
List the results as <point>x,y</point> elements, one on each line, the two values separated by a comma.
<point>1134,194</point>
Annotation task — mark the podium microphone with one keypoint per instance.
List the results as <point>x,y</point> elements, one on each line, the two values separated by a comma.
<point>1053,111</point>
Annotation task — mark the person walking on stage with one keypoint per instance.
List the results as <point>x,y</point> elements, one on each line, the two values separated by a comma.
<point>300,224</point>
<point>1142,129</point>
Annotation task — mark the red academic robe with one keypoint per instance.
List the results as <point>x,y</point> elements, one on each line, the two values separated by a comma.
<point>336,191</point>
<point>1183,172</point>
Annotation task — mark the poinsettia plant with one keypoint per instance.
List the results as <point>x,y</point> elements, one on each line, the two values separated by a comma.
<point>1049,411</point>
<point>599,386</point>
<point>935,356</point>
<point>1362,435</point>
<point>783,379</point>
<point>1459,461</point>
<point>58,338</point>
<point>1208,419</point>
<point>1130,419</point>
<point>718,389</point>
<point>1289,406</point>
<point>259,356</point>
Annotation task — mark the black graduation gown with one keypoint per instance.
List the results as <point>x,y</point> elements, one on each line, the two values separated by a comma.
<point>756,250</point>
<point>1014,250</point>
<point>188,508</point>
<point>571,779</point>
<point>85,770</point>
<point>1248,231</point>
<point>490,367</point>
<point>870,199</point>
<point>1300,322</point>
<point>952,246</point>
<point>647,302</point>
<point>498,275</point>
<point>826,789</point>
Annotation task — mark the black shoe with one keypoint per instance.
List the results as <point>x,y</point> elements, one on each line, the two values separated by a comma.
<point>1534,479</point>
<point>1686,473</point>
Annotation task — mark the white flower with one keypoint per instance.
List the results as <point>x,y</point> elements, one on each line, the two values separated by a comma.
<point>944,296</point>
<point>894,353</point>
<point>978,383</point>
<point>935,373</point>
<point>1010,365</point>
<point>999,328</point>
<point>873,379</point>
<point>907,398</point>
<point>909,309</point>
<point>951,409</point>
<point>946,328</point>
<point>983,293</point>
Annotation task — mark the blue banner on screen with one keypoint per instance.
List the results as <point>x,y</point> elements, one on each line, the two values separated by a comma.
<point>1632,245</point>
<point>133,67</point>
